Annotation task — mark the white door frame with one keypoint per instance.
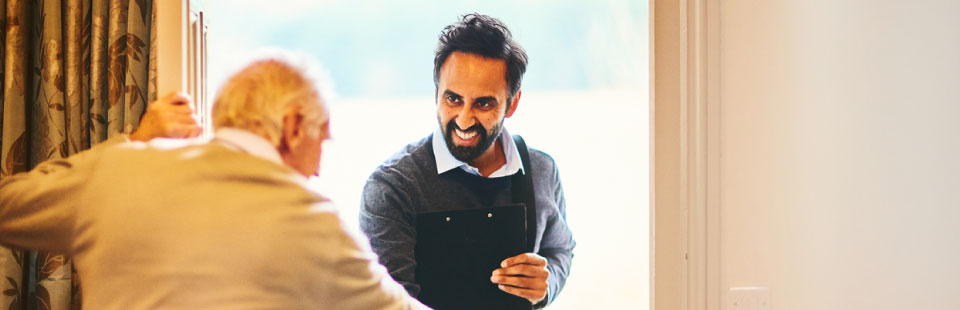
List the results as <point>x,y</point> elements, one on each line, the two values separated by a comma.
<point>182,53</point>
<point>685,154</point>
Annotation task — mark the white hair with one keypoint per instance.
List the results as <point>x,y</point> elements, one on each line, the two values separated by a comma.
<point>256,97</point>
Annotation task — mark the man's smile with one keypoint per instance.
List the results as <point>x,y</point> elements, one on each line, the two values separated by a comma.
<point>467,137</point>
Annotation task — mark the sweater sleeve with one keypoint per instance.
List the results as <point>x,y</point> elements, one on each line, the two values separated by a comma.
<point>388,218</point>
<point>38,208</point>
<point>362,283</point>
<point>556,244</point>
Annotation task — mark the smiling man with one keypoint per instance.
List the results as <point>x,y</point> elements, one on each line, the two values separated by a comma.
<point>469,163</point>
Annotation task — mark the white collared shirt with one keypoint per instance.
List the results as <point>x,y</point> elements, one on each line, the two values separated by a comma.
<point>446,161</point>
<point>249,143</point>
<point>259,147</point>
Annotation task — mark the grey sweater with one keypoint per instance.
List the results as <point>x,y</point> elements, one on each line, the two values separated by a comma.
<point>408,184</point>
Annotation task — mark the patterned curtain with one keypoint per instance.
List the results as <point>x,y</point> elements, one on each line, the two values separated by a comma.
<point>74,73</point>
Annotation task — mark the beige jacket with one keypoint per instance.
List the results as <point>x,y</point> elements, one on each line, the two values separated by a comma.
<point>196,227</point>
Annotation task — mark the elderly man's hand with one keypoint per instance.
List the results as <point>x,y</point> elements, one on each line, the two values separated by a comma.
<point>171,116</point>
<point>524,275</point>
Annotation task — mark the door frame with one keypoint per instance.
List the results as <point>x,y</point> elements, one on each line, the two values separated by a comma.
<point>685,154</point>
<point>182,54</point>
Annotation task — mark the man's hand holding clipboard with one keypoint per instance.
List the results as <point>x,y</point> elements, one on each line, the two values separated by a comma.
<point>524,275</point>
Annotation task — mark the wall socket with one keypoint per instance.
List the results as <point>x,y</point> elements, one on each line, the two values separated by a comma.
<point>749,298</point>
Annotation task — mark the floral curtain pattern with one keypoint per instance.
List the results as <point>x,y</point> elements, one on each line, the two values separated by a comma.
<point>74,73</point>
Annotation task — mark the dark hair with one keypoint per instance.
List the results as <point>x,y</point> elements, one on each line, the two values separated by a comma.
<point>485,36</point>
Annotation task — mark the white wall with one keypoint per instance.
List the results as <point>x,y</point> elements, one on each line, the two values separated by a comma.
<point>840,152</point>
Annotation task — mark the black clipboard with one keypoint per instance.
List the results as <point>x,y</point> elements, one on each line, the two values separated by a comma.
<point>457,251</point>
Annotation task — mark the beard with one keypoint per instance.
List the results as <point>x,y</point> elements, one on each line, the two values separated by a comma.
<point>469,153</point>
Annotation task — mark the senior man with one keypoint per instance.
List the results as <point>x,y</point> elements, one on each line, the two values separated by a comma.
<point>228,224</point>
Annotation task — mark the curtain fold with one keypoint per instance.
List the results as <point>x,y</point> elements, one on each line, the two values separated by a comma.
<point>136,55</point>
<point>98,71</point>
<point>13,148</point>
<point>74,73</point>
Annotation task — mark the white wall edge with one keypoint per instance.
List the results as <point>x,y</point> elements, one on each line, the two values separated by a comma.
<point>691,137</point>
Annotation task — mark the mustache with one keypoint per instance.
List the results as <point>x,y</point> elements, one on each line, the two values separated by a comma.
<point>453,125</point>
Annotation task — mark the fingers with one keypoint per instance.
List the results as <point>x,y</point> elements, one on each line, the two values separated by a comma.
<point>197,130</point>
<point>181,118</point>
<point>172,116</point>
<point>521,282</point>
<point>526,277</point>
<point>182,127</point>
<point>172,125</point>
<point>180,124</point>
<point>183,108</point>
<point>177,98</point>
<point>534,296</point>
<point>176,115</point>
<point>525,258</point>
<point>174,100</point>
<point>186,129</point>
<point>524,270</point>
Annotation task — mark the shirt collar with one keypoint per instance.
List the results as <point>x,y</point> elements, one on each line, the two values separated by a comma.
<point>446,161</point>
<point>249,143</point>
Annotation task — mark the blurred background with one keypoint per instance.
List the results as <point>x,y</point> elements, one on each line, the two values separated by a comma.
<point>585,102</point>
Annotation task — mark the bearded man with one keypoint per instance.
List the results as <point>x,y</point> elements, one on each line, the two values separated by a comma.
<point>471,162</point>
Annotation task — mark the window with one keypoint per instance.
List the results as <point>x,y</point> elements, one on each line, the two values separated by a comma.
<point>584,102</point>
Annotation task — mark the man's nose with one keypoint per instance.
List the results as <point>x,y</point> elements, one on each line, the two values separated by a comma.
<point>465,118</point>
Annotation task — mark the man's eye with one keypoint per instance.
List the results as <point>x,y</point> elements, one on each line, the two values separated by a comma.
<point>452,99</point>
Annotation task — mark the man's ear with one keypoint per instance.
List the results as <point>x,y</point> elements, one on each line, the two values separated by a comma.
<point>513,104</point>
<point>292,128</point>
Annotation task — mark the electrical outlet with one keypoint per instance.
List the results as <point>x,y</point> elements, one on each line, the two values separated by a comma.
<point>749,298</point>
